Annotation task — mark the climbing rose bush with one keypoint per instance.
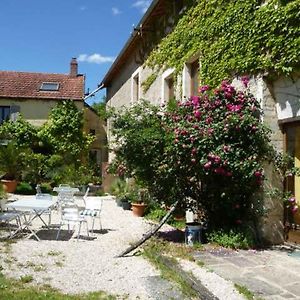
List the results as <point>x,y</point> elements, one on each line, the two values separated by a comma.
<point>208,149</point>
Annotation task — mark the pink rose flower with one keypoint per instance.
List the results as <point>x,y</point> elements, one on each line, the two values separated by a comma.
<point>207,165</point>
<point>197,114</point>
<point>245,80</point>
<point>195,100</point>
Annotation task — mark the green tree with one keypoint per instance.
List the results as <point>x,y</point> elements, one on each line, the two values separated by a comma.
<point>63,132</point>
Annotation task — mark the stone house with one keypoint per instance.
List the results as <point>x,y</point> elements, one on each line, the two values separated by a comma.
<point>127,78</point>
<point>33,95</point>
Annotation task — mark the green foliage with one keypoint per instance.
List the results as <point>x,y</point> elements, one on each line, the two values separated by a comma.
<point>25,188</point>
<point>11,289</point>
<point>21,132</point>
<point>2,193</point>
<point>124,191</point>
<point>26,278</point>
<point>12,161</point>
<point>234,37</point>
<point>63,132</point>
<point>100,108</point>
<point>232,239</point>
<point>52,152</point>
<point>148,82</point>
<point>245,292</point>
<point>208,149</point>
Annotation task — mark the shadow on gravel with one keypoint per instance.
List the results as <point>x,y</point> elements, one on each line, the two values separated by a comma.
<point>50,235</point>
<point>102,231</point>
<point>175,235</point>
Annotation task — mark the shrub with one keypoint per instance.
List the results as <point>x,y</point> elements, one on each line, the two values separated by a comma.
<point>46,188</point>
<point>232,239</point>
<point>25,188</point>
<point>209,148</point>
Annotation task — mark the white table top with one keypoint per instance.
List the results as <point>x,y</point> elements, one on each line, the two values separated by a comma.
<point>31,204</point>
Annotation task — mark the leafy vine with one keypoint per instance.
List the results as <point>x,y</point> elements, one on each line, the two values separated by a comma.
<point>234,37</point>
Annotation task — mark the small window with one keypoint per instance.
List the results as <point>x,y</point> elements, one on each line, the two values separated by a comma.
<point>194,77</point>
<point>135,86</point>
<point>4,113</point>
<point>49,86</point>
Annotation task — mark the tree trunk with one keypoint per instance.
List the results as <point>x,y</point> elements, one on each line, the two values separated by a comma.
<point>151,232</point>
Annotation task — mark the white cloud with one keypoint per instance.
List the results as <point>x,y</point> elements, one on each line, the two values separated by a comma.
<point>115,11</point>
<point>142,5</point>
<point>95,58</point>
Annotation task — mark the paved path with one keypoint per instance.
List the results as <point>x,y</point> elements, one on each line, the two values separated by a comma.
<point>270,274</point>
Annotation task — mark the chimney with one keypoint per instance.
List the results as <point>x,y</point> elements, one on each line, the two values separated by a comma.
<point>73,67</point>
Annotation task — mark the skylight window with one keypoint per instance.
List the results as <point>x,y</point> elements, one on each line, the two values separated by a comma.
<point>49,86</point>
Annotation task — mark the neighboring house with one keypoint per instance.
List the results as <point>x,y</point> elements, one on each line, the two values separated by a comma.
<point>280,97</point>
<point>33,95</point>
<point>96,127</point>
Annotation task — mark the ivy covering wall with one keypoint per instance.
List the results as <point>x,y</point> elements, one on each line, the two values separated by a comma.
<point>234,37</point>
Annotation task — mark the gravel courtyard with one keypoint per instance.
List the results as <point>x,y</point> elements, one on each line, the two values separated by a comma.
<point>90,264</point>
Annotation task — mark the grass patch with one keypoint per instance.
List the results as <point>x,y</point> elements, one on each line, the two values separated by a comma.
<point>59,264</point>
<point>26,278</point>
<point>200,263</point>
<point>11,289</point>
<point>54,253</point>
<point>157,213</point>
<point>159,252</point>
<point>245,292</point>
<point>232,239</point>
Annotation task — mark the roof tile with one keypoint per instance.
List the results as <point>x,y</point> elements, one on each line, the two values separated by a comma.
<point>27,85</point>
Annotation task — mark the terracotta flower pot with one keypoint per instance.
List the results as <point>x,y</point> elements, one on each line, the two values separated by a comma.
<point>9,185</point>
<point>138,209</point>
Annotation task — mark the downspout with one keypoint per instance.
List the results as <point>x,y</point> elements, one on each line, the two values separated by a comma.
<point>101,86</point>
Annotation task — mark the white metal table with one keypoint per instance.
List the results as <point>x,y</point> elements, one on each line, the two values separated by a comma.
<point>36,207</point>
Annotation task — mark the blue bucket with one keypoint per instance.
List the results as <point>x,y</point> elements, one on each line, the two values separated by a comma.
<point>193,233</point>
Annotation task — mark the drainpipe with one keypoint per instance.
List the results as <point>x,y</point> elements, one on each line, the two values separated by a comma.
<point>94,92</point>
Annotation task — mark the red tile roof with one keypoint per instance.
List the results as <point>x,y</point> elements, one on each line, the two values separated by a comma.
<point>27,85</point>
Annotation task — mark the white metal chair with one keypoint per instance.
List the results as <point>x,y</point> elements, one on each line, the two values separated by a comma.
<point>85,195</point>
<point>7,216</point>
<point>42,196</point>
<point>70,216</point>
<point>92,209</point>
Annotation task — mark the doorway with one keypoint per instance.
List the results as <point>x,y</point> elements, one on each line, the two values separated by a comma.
<point>292,183</point>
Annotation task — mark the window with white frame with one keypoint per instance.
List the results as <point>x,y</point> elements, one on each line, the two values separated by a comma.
<point>135,86</point>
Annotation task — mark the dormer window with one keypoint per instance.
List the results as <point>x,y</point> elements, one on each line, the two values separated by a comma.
<point>49,86</point>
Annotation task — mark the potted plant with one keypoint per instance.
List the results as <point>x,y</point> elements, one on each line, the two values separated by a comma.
<point>3,198</point>
<point>11,165</point>
<point>138,207</point>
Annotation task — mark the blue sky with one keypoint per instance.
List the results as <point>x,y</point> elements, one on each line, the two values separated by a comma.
<point>43,36</point>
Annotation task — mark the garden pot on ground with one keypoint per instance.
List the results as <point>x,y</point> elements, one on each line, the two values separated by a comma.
<point>9,185</point>
<point>126,205</point>
<point>138,209</point>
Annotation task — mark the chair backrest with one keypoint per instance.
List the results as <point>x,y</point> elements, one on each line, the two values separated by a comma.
<point>43,196</point>
<point>66,196</point>
<point>93,204</point>
<point>64,186</point>
<point>69,212</point>
<point>85,195</point>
